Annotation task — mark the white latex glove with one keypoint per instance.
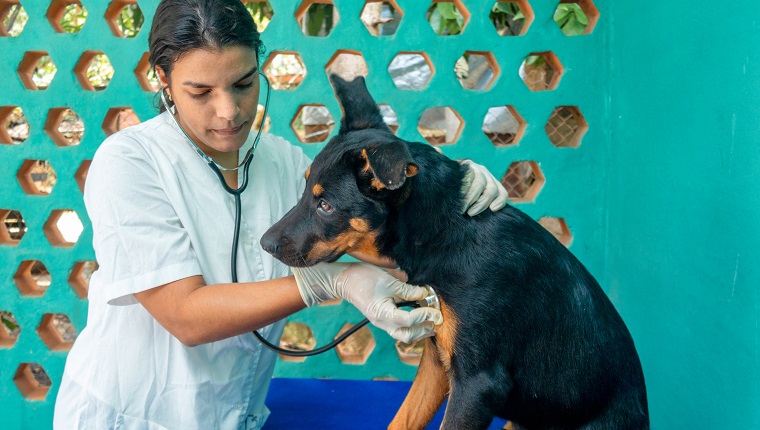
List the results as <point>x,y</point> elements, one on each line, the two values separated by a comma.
<point>481,190</point>
<point>374,292</point>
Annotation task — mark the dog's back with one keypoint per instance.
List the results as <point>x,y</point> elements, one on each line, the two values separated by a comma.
<point>527,309</point>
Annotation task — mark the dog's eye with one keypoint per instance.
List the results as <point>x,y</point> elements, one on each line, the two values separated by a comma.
<point>325,207</point>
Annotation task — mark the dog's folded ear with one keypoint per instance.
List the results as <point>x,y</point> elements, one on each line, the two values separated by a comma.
<point>359,108</point>
<point>386,166</point>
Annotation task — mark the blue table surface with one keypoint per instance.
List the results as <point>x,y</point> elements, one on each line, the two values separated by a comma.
<point>339,404</point>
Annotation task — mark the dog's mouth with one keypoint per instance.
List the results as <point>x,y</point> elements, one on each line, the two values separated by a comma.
<point>296,259</point>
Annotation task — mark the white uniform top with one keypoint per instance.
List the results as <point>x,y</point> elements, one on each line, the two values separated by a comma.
<point>160,214</point>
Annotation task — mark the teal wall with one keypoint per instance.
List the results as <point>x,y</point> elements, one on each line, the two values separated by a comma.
<point>684,202</point>
<point>660,195</point>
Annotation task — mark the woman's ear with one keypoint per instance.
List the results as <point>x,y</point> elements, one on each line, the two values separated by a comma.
<point>162,77</point>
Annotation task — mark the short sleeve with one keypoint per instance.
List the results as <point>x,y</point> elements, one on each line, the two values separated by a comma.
<point>139,240</point>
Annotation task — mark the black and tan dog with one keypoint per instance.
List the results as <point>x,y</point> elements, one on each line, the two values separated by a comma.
<point>528,334</point>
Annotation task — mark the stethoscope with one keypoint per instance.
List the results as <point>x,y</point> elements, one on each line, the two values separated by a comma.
<point>430,301</point>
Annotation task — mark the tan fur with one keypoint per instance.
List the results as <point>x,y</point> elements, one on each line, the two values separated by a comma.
<point>445,334</point>
<point>376,184</point>
<point>346,242</point>
<point>317,190</point>
<point>359,224</point>
<point>428,391</point>
<point>306,175</point>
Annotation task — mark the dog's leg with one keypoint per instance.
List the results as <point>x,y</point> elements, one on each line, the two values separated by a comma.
<point>469,403</point>
<point>427,393</point>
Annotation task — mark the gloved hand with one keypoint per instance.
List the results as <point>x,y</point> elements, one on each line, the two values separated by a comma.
<point>481,190</point>
<point>372,291</point>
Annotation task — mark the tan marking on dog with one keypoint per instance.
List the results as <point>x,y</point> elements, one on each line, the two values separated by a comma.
<point>359,224</point>
<point>306,175</point>
<point>317,190</point>
<point>346,242</point>
<point>376,184</point>
<point>426,395</point>
<point>367,168</point>
<point>445,335</point>
<point>411,170</point>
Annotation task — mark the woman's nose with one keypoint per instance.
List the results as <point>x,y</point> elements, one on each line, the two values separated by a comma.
<point>228,107</point>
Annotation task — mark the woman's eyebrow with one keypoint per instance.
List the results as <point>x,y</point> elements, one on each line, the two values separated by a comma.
<point>199,85</point>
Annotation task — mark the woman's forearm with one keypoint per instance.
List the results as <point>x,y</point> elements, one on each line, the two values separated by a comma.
<point>195,313</point>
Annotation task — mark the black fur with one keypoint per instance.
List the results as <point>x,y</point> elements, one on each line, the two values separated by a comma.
<point>538,341</point>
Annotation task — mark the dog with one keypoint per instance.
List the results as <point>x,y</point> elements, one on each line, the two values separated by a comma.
<point>528,334</point>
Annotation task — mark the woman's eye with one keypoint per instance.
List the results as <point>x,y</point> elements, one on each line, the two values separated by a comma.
<point>199,95</point>
<point>325,207</point>
<point>243,86</point>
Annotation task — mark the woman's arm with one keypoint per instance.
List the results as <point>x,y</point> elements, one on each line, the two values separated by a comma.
<point>196,313</point>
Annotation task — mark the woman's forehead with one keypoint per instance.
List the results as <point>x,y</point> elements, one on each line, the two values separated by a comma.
<point>215,66</point>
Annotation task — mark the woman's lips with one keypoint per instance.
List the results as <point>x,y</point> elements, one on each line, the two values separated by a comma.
<point>230,131</point>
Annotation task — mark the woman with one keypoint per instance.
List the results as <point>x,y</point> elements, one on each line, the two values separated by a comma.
<point>167,342</point>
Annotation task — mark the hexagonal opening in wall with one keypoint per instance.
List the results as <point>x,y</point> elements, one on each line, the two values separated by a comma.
<point>389,117</point>
<point>411,70</point>
<point>410,353</point>
<point>476,70</point>
<point>523,181</point>
<point>64,126</point>
<point>119,118</point>
<point>36,70</point>
<point>13,18</point>
<point>79,278</point>
<point>381,18</point>
<point>297,337</point>
<point>145,74</point>
<point>558,228</point>
<point>36,177</point>
<point>317,17</point>
<point>125,18</point>
<point>440,125</point>
<point>566,127</point>
<point>541,71</point>
<point>32,381</point>
<point>94,71</point>
<point>63,228</point>
<point>12,228</point>
<point>9,329</point>
<point>257,121</point>
<point>57,332</point>
<point>15,129</point>
<point>511,17</point>
<point>357,347</point>
<point>285,70</point>
<point>447,17</point>
<point>66,16</point>
<point>312,123</point>
<point>576,17</point>
<point>261,12</point>
<point>32,278</point>
<point>347,64</point>
<point>503,125</point>
<point>80,176</point>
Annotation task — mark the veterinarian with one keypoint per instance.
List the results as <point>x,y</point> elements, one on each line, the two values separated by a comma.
<point>167,342</point>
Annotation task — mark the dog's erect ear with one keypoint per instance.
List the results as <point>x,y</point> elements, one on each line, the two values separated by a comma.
<point>387,165</point>
<point>359,109</point>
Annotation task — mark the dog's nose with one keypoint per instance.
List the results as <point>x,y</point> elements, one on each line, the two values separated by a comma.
<point>273,244</point>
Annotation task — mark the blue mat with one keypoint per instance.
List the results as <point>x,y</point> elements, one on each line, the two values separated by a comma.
<point>339,404</point>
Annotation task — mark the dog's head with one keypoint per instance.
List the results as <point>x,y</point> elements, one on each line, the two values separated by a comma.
<point>348,186</point>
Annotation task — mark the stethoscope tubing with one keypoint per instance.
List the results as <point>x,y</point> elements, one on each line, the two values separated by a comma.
<point>237,192</point>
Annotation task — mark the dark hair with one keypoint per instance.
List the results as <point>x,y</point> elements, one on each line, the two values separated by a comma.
<point>180,26</point>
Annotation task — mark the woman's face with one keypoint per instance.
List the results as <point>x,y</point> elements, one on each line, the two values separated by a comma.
<point>216,93</point>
